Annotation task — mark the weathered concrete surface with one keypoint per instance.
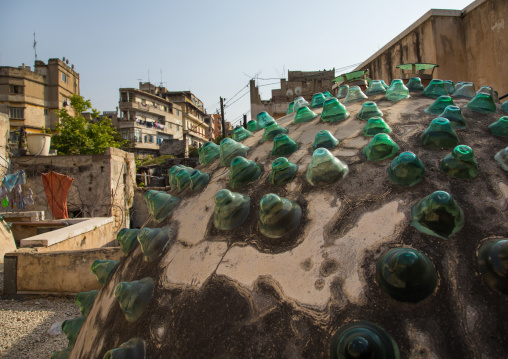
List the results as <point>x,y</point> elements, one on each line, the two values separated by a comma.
<point>7,243</point>
<point>238,294</point>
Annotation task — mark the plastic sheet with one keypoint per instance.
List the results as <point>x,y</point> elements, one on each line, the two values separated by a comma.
<point>415,84</point>
<point>482,103</point>
<point>363,340</point>
<point>449,86</point>
<point>317,100</point>
<point>500,127</point>
<point>464,90</point>
<point>240,134</point>
<point>342,91</point>
<point>304,114</point>
<point>406,275</point>
<point>324,139</point>
<point>504,107</point>
<point>243,172</point>
<point>62,354</point>
<point>406,170</point>
<point>454,115</point>
<point>354,94</point>
<point>283,171</point>
<point>134,297</point>
<point>439,105</point>
<point>230,149</point>
<point>263,118</point>
<point>333,111</point>
<point>397,91</point>
<point>231,209</point>
<point>103,270</point>
<point>290,108</point>
<point>435,89</point>
<point>85,301</point>
<point>132,349</point>
<point>375,87</point>
<point>161,204</point>
<point>271,131</point>
<point>153,242</point>
<point>440,134</point>
<point>437,215</point>
<point>369,109</point>
<point>128,239</point>
<point>71,329</point>
<point>493,263</point>
<point>502,158</point>
<point>299,102</point>
<point>278,216</point>
<point>283,145</point>
<point>252,126</point>
<point>209,152</point>
<point>198,180</point>
<point>324,169</point>
<point>376,125</point>
<point>380,148</point>
<point>460,164</point>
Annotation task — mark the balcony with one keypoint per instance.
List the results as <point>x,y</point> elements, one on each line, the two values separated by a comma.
<point>148,108</point>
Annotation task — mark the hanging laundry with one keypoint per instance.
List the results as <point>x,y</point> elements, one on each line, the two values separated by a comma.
<point>30,197</point>
<point>56,186</point>
<point>10,181</point>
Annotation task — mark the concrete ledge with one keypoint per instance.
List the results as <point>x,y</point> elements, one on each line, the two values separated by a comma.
<point>23,216</point>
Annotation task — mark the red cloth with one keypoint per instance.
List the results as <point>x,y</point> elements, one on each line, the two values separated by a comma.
<point>56,186</point>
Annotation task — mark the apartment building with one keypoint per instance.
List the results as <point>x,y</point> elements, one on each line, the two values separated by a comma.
<point>31,97</point>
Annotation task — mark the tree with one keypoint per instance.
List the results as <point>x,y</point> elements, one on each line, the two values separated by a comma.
<point>76,135</point>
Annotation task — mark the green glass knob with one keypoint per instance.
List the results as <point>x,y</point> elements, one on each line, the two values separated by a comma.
<point>290,108</point>
<point>500,127</point>
<point>460,164</point>
<point>85,301</point>
<point>132,349</point>
<point>230,149</point>
<point>439,105</point>
<point>449,86</point>
<point>128,239</point>
<point>71,329</point>
<point>103,270</point>
<point>283,145</point>
<point>231,209</point>
<point>154,241</point>
<point>252,126</point>
<point>182,180</point>
<point>369,109</point>
<point>406,275</point>
<point>406,170</point>
<point>324,169</point>
<point>360,339</point>
<point>502,158</point>
<point>374,126</point>
<point>375,87</point>
<point>263,118</point>
<point>304,114</point>
<point>208,153</point>
<point>435,89</point>
<point>333,111</point>
<point>489,91</point>
<point>342,91</point>
<point>240,134</point>
<point>380,148</point>
<point>464,90</point>
<point>354,94</point>
<point>415,84</point>
<point>198,180</point>
<point>454,115</point>
<point>384,84</point>
<point>299,102</point>
<point>173,173</point>
<point>324,139</point>
<point>504,107</point>
<point>278,216</point>
<point>62,354</point>
<point>317,100</point>
<point>134,297</point>
<point>437,215</point>
<point>327,95</point>
<point>440,134</point>
<point>161,204</point>
<point>397,91</point>
<point>243,172</point>
<point>493,262</point>
<point>482,103</point>
<point>271,131</point>
<point>283,171</point>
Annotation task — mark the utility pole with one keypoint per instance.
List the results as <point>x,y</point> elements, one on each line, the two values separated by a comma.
<point>222,118</point>
<point>244,120</point>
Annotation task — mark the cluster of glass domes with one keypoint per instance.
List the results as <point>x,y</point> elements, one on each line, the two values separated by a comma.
<point>179,176</point>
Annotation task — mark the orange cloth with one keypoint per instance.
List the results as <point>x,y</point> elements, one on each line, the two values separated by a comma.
<point>57,186</point>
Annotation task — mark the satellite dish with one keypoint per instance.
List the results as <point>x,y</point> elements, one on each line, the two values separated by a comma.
<point>289,93</point>
<point>298,91</point>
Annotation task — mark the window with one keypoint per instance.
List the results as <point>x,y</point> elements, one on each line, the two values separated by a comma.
<point>125,134</point>
<point>17,113</point>
<point>169,124</point>
<point>15,90</point>
<point>64,77</point>
<point>46,111</point>
<point>177,112</point>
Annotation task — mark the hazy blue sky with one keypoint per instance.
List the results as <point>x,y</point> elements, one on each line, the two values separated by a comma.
<point>208,47</point>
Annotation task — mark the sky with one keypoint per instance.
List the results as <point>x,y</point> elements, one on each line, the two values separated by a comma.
<point>211,48</point>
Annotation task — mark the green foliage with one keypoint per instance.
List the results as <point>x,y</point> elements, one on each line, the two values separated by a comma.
<point>77,135</point>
